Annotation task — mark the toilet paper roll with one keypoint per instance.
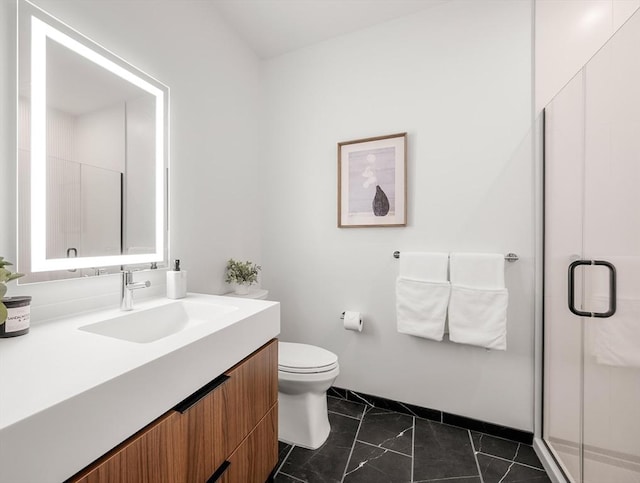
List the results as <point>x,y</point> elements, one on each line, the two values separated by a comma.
<point>352,320</point>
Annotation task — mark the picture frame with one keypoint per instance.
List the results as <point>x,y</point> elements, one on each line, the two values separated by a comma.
<point>372,182</point>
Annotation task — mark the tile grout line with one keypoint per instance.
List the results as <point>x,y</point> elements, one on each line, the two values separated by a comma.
<point>285,459</point>
<point>511,461</point>
<point>475,456</point>
<point>293,477</point>
<point>413,446</point>
<point>382,447</point>
<point>502,438</point>
<point>355,438</point>
<point>450,478</point>
<point>510,466</point>
<point>345,415</point>
<point>364,401</point>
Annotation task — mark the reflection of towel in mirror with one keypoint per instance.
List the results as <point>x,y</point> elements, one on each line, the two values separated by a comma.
<point>479,300</point>
<point>617,338</point>
<point>422,294</point>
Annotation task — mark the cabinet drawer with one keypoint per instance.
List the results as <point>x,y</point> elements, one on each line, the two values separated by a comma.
<point>220,420</point>
<point>251,392</point>
<point>154,455</point>
<point>256,457</point>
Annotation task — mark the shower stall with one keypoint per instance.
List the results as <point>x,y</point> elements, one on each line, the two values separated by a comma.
<point>591,374</point>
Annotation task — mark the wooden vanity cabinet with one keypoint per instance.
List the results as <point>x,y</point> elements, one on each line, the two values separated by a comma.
<point>156,453</point>
<point>257,455</point>
<point>226,432</point>
<point>220,420</point>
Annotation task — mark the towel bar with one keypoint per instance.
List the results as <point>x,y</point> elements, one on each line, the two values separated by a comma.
<point>509,257</point>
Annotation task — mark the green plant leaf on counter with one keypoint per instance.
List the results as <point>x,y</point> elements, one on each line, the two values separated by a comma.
<point>5,276</point>
<point>244,273</point>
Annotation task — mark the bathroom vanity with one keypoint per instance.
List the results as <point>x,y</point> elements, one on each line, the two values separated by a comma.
<point>228,429</point>
<point>171,391</point>
<point>196,402</point>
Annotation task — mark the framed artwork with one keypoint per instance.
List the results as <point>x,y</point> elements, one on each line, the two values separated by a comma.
<point>372,181</point>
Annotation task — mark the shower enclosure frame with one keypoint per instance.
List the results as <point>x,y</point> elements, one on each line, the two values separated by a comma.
<point>598,116</point>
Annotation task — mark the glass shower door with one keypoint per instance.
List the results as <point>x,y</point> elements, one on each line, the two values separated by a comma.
<point>591,419</point>
<point>563,331</point>
<point>611,383</point>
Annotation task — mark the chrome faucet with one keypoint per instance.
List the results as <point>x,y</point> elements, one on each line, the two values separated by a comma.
<point>128,286</point>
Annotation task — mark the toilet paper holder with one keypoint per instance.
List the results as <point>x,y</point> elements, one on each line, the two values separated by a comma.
<point>352,320</point>
<point>342,316</point>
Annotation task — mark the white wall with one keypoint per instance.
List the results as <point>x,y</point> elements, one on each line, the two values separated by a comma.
<point>215,102</point>
<point>457,78</point>
<point>568,34</point>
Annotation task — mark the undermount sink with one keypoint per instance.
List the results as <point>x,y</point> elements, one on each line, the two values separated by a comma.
<point>149,325</point>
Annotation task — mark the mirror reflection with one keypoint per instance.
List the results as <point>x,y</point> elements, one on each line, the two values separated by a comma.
<point>91,156</point>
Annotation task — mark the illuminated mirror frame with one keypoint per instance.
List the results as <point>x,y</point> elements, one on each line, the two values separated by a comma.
<point>41,31</point>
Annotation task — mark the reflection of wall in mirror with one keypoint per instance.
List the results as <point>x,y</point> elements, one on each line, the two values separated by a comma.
<point>60,151</point>
<point>95,143</point>
<point>100,148</point>
<point>85,159</point>
<point>100,138</point>
<point>139,216</point>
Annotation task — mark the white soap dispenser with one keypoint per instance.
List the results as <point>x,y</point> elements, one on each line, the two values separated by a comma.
<point>176,282</point>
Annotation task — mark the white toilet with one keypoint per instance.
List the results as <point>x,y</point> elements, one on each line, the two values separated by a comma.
<point>305,372</point>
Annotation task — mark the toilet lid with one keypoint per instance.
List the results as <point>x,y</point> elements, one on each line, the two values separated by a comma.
<point>305,358</point>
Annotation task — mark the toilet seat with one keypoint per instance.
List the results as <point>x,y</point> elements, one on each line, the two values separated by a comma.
<point>305,359</point>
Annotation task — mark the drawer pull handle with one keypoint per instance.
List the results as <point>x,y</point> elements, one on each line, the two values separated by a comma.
<point>219,472</point>
<point>201,393</point>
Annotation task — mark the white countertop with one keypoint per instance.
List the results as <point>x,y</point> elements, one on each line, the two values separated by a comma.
<point>67,396</point>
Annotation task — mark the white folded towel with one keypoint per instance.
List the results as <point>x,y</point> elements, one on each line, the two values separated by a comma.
<point>617,338</point>
<point>430,267</point>
<point>422,294</point>
<point>478,317</point>
<point>479,300</point>
<point>421,307</point>
<point>477,270</point>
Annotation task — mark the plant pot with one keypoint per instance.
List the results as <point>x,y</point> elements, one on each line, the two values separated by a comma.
<point>19,318</point>
<point>242,289</point>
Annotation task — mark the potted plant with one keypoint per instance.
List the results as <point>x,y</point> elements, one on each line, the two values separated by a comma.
<point>242,275</point>
<point>14,311</point>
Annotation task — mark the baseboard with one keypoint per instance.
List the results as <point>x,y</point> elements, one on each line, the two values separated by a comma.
<point>434,415</point>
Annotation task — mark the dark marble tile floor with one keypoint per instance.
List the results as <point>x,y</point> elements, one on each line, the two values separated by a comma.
<point>372,444</point>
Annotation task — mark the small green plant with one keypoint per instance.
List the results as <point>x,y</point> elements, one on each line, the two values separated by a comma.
<point>243,273</point>
<point>5,276</point>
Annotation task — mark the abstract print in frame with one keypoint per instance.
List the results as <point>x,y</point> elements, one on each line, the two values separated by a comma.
<point>372,181</point>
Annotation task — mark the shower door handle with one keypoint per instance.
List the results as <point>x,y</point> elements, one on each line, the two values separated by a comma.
<point>612,289</point>
<point>572,276</point>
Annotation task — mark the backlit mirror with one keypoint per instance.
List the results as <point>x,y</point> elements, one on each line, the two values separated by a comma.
<point>92,155</point>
